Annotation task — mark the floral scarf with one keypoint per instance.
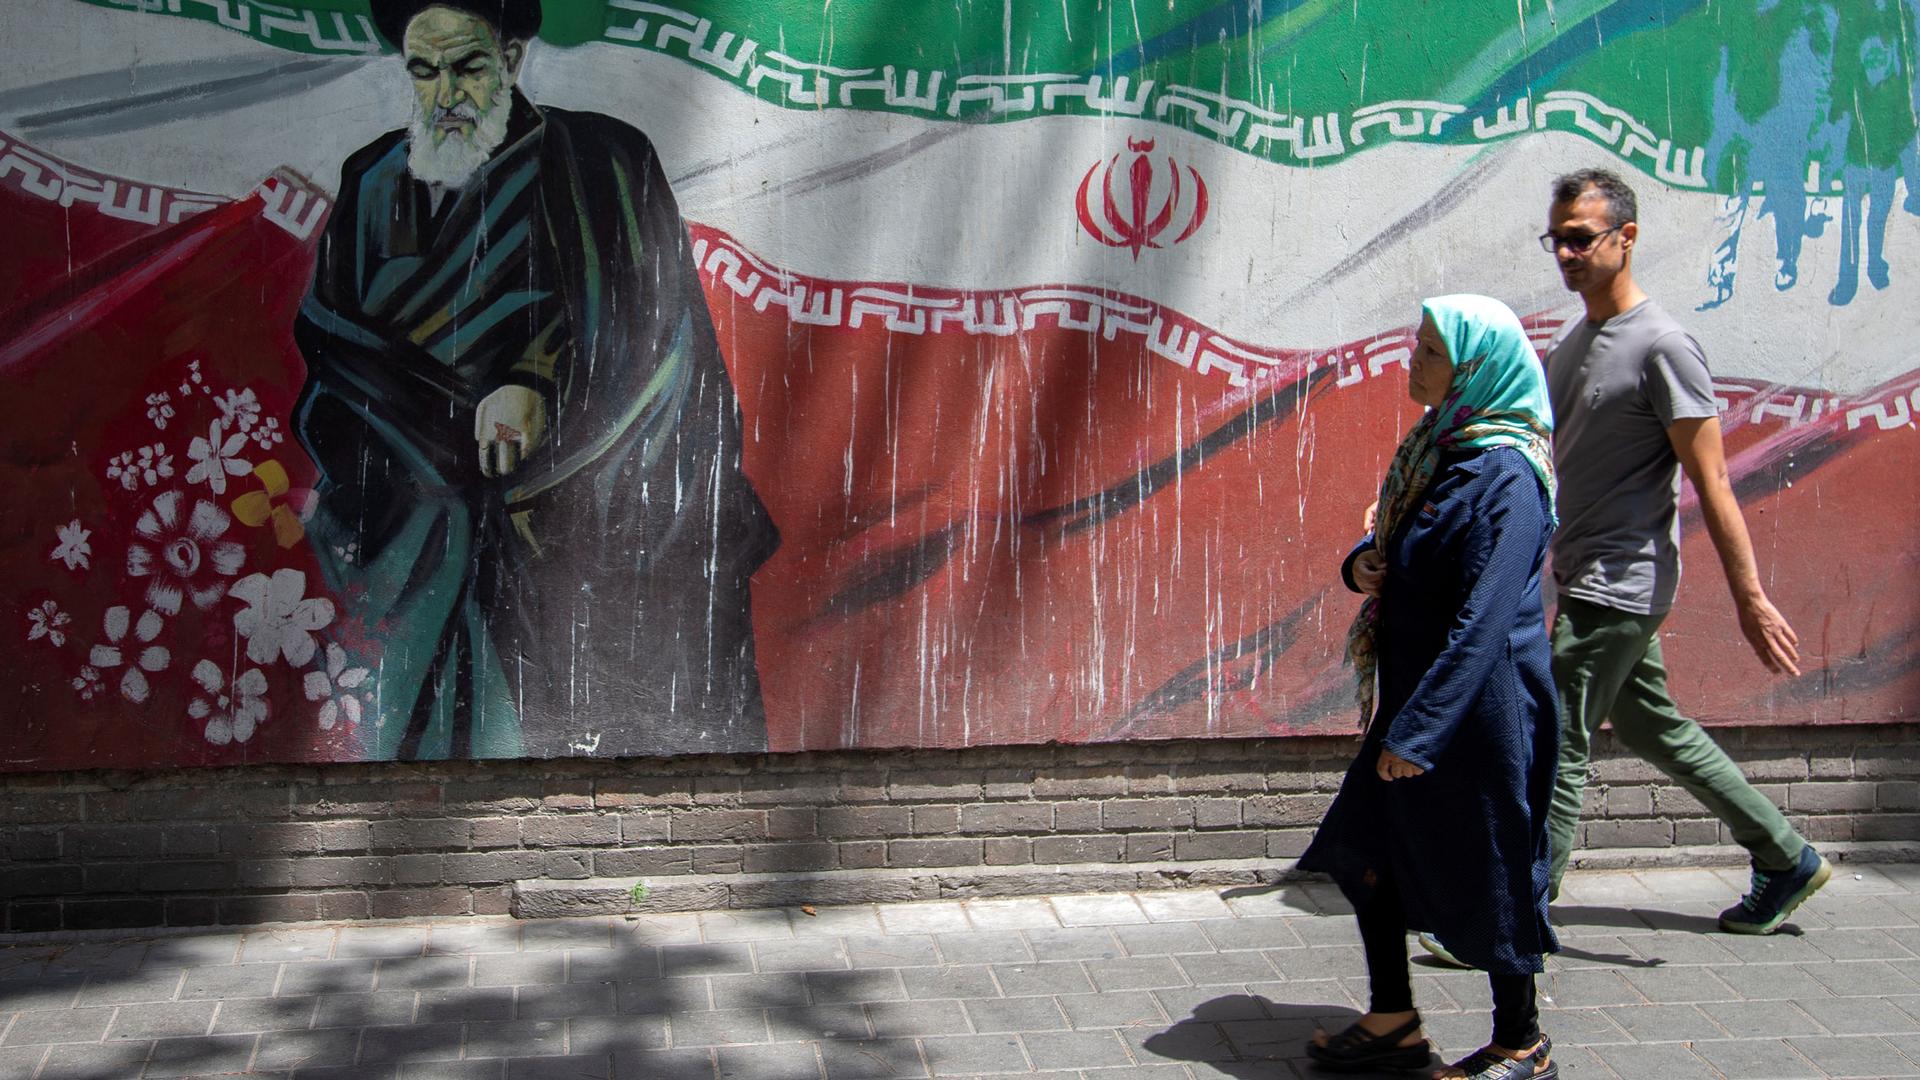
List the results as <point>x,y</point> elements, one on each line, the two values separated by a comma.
<point>1498,397</point>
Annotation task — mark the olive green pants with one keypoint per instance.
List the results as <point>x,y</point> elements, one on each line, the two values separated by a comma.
<point>1607,667</point>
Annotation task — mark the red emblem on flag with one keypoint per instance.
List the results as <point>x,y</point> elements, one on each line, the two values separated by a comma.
<point>1141,224</point>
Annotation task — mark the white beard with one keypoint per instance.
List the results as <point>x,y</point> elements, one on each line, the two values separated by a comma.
<point>453,161</point>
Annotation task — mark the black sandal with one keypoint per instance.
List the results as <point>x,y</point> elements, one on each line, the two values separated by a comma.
<point>1359,1050</point>
<point>1485,1064</point>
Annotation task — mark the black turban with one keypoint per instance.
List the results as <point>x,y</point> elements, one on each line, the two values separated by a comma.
<point>513,20</point>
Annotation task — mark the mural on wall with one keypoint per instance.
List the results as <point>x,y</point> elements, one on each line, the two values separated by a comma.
<point>483,379</point>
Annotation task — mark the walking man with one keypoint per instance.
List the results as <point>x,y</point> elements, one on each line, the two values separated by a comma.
<point>1633,405</point>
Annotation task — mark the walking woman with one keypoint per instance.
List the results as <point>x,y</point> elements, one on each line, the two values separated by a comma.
<point>1440,824</point>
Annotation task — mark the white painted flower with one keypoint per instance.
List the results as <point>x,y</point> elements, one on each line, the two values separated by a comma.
<point>88,683</point>
<point>268,434</point>
<point>160,409</point>
<point>193,381</point>
<point>214,460</point>
<point>239,409</point>
<point>231,712</point>
<point>120,467</point>
<point>336,687</point>
<point>73,548</point>
<point>150,658</point>
<point>48,621</point>
<point>279,619</point>
<point>155,464</point>
<point>184,558</point>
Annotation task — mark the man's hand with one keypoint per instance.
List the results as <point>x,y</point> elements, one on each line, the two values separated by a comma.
<point>1773,641</point>
<point>509,424</point>
<point>1371,515</point>
<point>1370,571</point>
<point>1394,767</point>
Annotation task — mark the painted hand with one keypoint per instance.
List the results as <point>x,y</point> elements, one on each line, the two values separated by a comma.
<point>1394,767</point>
<point>1370,571</point>
<point>1773,641</point>
<point>510,423</point>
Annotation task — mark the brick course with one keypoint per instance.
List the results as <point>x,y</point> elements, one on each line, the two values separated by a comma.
<point>271,843</point>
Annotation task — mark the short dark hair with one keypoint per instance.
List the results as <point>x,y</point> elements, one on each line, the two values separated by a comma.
<point>512,20</point>
<point>1622,207</point>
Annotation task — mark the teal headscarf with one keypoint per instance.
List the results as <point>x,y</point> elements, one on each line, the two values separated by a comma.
<point>1498,397</point>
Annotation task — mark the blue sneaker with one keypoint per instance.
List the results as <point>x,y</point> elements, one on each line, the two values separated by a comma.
<point>1775,894</point>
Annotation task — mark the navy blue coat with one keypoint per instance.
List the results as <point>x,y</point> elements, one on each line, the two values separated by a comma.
<point>1466,692</point>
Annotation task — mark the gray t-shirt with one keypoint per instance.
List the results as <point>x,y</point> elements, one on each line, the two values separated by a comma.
<point>1616,386</point>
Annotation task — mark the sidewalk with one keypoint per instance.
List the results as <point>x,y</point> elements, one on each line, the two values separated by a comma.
<point>1167,986</point>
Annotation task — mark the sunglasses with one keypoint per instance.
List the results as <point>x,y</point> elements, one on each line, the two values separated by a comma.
<point>1578,243</point>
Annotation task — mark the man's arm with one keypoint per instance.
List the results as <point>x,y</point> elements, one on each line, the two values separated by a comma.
<point>1696,442</point>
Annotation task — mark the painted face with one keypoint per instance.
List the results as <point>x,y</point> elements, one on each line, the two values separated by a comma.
<point>460,71</point>
<point>1590,251</point>
<point>1430,372</point>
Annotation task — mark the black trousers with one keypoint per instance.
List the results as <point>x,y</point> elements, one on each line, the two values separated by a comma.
<point>1383,933</point>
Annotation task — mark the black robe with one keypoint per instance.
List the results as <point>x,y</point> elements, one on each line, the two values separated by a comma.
<point>596,599</point>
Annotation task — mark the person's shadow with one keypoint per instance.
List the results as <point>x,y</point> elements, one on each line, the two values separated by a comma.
<point>1252,1038</point>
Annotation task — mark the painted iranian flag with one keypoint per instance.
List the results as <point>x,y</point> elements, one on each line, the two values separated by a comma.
<point>1069,339</point>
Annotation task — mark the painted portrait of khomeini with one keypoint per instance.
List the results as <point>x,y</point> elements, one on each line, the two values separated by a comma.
<point>531,498</point>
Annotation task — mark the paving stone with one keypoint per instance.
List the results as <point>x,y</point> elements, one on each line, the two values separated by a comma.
<point>1761,1019</point>
<point>901,1019</point>
<point>772,1061</point>
<point>1098,909</point>
<point>162,1020</point>
<point>237,981</point>
<point>192,950</point>
<point>435,1070</point>
<point>386,1009</point>
<point>105,958</point>
<point>561,1067</point>
<point>1766,982</point>
<point>305,1049</point>
<point>658,997</point>
<point>516,1038</point>
<point>1017,913</point>
<point>1320,963</point>
<point>88,1061</point>
<point>467,1003</point>
<point>264,1014</point>
<point>1111,1010</point>
<point>972,1054</point>
<point>983,948</point>
<point>872,1059</point>
<point>1021,980</point>
<point>759,991</point>
<point>1183,905</point>
<point>59,1026</point>
<point>563,1002</point>
<point>1280,900</point>
<point>286,945</point>
<point>1254,933</point>
<point>935,916</point>
<point>830,987</point>
<point>845,922</point>
<point>1074,943</point>
<point>616,1034</point>
<point>54,992</point>
<point>1075,1049</point>
<point>1234,968</point>
<point>1855,1057</point>
<point>424,973</point>
<point>115,990</point>
<point>1014,1014</point>
<point>675,928</point>
<point>519,969</point>
<point>326,977</point>
<point>544,934</point>
<point>410,1042</point>
<point>620,963</point>
<point>478,937</point>
<point>726,958</point>
<point>805,954</point>
<point>1212,1003</point>
<point>1650,1023</point>
<point>1665,986</point>
<point>1163,939</point>
<point>1856,944</point>
<point>665,1065</point>
<point>717,926</point>
<point>1578,989</point>
<point>718,1027</point>
<point>1858,1016</point>
<point>1772,949</point>
<point>1863,978</point>
<point>819,1022</point>
<point>381,942</point>
<point>1756,1059</point>
<point>204,1054</point>
<point>954,981</point>
<point>1668,1061</point>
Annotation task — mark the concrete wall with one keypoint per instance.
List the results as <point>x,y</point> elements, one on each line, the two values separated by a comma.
<point>385,841</point>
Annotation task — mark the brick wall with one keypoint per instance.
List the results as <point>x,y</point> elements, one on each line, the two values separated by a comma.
<point>243,845</point>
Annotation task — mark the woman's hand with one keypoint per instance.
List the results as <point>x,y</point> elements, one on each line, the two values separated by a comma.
<point>1370,572</point>
<point>1372,514</point>
<point>1394,767</point>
